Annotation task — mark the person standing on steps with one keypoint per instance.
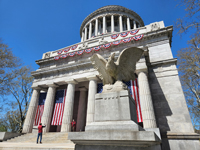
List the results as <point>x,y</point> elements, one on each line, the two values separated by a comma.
<point>73,125</point>
<point>40,132</point>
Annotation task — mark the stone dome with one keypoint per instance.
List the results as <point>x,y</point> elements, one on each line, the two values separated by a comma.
<point>111,18</point>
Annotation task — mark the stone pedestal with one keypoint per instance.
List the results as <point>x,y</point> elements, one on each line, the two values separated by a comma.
<point>115,126</point>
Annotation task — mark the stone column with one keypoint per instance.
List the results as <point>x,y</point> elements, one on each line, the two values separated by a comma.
<point>82,37</point>
<point>48,107</point>
<point>96,27</point>
<point>104,24</point>
<point>30,116</point>
<point>112,24</point>
<point>148,115</point>
<point>90,30</point>
<point>91,98</point>
<point>85,34</point>
<point>120,24</point>
<point>81,110</point>
<point>138,25</point>
<point>128,24</point>
<point>134,25</point>
<point>69,106</point>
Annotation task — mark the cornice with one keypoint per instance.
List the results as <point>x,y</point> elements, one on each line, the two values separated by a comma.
<point>108,9</point>
<point>167,31</point>
<point>56,69</point>
<point>173,60</point>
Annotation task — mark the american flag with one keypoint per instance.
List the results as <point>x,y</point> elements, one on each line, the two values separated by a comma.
<point>134,91</point>
<point>40,108</point>
<point>59,107</point>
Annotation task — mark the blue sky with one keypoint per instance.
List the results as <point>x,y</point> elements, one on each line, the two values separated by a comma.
<point>33,27</point>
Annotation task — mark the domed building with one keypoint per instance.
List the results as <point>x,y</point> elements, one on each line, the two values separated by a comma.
<point>67,86</point>
<point>109,19</point>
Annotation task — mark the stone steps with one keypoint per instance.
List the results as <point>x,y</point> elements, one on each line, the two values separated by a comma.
<point>50,141</point>
<point>56,137</point>
<point>34,146</point>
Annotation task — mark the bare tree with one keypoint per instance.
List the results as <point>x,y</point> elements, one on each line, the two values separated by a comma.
<point>20,89</point>
<point>8,65</point>
<point>15,90</point>
<point>191,19</point>
<point>189,58</point>
<point>189,66</point>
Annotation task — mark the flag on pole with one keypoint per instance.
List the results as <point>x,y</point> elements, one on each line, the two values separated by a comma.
<point>59,107</point>
<point>40,108</point>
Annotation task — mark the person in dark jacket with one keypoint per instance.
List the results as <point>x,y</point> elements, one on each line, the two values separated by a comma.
<point>73,125</point>
<point>40,132</point>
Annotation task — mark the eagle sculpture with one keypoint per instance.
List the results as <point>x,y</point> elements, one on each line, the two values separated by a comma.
<point>121,70</point>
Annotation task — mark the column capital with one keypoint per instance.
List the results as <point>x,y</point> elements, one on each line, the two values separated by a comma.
<point>71,81</point>
<point>36,87</point>
<point>82,88</point>
<point>144,70</point>
<point>93,77</point>
<point>52,85</point>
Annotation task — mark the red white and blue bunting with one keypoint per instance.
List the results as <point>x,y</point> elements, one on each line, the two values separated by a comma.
<point>139,37</point>
<point>88,50</point>
<point>80,52</point>
<point>64,56</point>
<point>74,47</point>
<point>66,49</point>
<point>57,58</point>
<point>116,42</point>
<point>59,52</point>
<point>106,45</point>
<point>124,34</point>
<point>97,48</point>
<point>127,40</point>
<point>72,54</point>
<point>134,32</point>
<point>114,36</point>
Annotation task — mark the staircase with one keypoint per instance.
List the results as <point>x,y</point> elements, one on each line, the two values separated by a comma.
<point>50,140</point>
<point>50,137</point>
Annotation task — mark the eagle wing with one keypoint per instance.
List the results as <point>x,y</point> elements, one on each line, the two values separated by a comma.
<point>126,63</point>
<point>99,63</point>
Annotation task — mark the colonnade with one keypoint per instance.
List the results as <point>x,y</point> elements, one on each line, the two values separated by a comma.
<point>105,24</point>
<point>148,115</point>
